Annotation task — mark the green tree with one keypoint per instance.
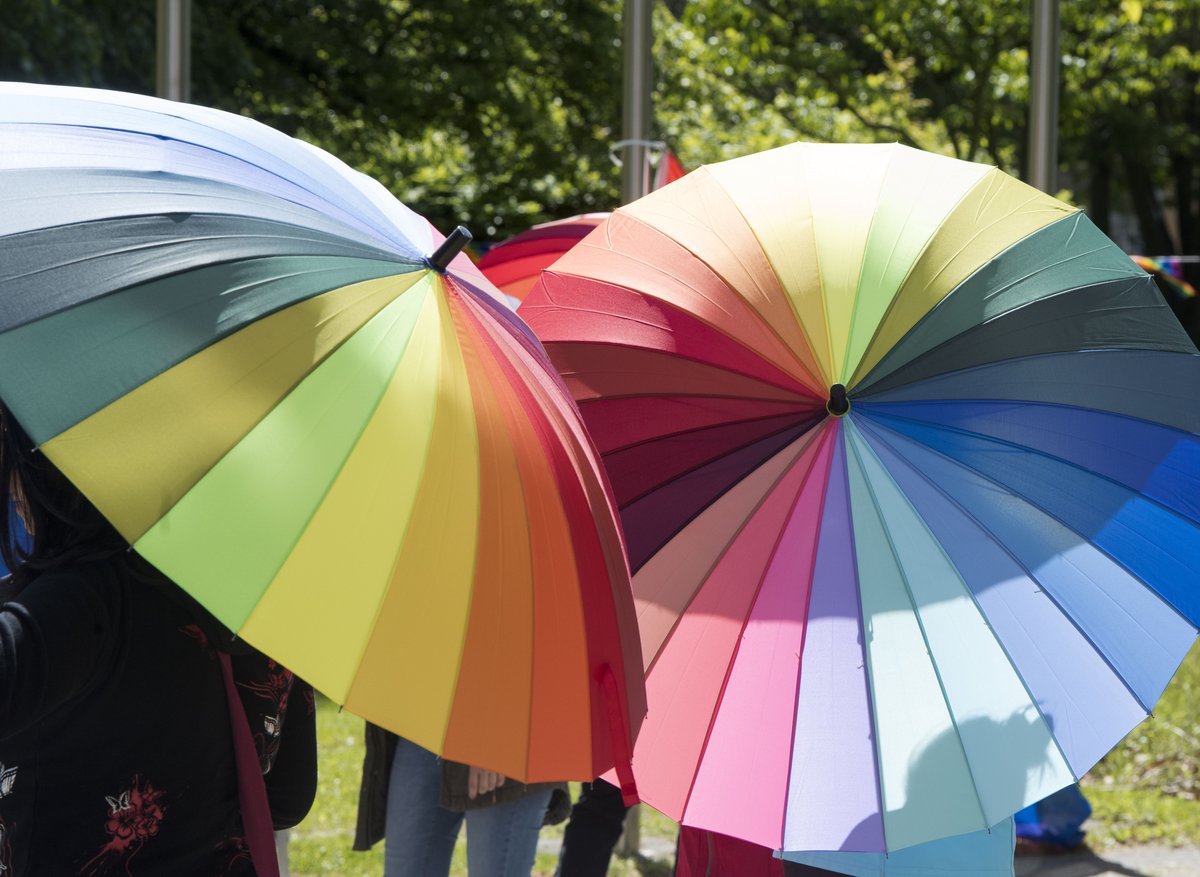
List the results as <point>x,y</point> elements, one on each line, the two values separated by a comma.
<point>491,114</point>
<point>496,115</point>
<point>499,115</point>
<point>1131,113</point>
<point>78,42</point>
<point>943,76</point>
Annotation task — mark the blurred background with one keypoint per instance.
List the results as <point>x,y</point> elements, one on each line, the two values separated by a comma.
<point>501,115</point>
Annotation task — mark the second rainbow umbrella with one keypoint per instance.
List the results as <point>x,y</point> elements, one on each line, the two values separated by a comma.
<point>906,455</point>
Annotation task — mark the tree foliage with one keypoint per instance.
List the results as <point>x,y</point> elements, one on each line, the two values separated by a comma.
<point>1131,113</point>
<point>474,112</point>
<point>952,76</point>
<point>499,115</point>
<point>941,76</point>
<point>495,115</point>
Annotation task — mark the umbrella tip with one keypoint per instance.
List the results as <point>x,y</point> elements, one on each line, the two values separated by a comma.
<point>838,403</point>
<point>454,244</point>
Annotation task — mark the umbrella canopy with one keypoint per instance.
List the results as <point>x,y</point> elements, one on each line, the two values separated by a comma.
<point>357,458</point>
<point>906,455</point>
<point>513,265</point>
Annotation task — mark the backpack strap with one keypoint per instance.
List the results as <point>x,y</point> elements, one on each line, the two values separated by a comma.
<point>252,791</point>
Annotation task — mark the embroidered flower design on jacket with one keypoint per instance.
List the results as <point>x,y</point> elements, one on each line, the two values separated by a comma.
<point>6,857</point>
<point>134,816</point>
<point>274,690</point>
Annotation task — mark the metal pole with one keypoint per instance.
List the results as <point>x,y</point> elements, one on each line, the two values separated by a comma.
<point>174,71</point>
<point>636,93</point>
<point>1044,61</point>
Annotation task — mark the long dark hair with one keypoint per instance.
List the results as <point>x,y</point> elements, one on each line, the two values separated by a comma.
<point>55,524</point>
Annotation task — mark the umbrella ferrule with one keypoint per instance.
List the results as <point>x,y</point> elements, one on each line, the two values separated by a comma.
<point>838,403</point>
<point>454,244</point>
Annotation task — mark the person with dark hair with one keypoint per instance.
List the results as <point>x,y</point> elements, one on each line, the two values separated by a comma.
<point>124,705</point>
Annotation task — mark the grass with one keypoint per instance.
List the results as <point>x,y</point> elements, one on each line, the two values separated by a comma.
<point>1147,790</point>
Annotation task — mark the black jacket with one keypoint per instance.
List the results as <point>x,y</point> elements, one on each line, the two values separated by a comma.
<point>115,741</point>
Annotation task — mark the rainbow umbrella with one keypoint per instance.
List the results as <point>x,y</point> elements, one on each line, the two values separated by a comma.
<point>1169,272</point>
<point>513,265</point>
<point>288,395</point>
<point>906,455</point>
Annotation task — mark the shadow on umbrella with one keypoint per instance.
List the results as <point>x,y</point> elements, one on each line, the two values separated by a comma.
<point>1012,754</point>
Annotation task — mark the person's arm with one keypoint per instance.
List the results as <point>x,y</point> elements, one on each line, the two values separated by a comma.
<point>56,638</point>
<point>292,780</point>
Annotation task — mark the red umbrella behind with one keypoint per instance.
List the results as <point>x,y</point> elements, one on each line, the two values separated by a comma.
<point>514,264</point>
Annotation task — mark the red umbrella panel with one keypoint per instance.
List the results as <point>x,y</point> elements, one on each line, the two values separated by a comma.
<point>514,264</point>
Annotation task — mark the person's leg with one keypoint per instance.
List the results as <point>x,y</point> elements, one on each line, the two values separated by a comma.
<point>502,839</point>
<point>596,823</point>
<point>420,834</point>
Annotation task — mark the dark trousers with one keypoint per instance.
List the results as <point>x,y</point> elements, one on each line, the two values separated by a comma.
<point>596,823</point>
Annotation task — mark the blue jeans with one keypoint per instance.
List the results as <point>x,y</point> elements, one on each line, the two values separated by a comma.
<point>420,837</point>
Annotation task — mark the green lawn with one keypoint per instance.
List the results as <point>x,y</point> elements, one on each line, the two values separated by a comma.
<point>1145,791</point>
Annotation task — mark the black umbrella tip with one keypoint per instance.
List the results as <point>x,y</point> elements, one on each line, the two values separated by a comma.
<point>838,403</point>
<point>454,244</point>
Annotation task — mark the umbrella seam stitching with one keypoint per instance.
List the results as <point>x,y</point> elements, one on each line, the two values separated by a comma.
<point>1021,565</point>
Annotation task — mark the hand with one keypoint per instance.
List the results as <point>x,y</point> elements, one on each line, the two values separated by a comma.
<point>480,781</point>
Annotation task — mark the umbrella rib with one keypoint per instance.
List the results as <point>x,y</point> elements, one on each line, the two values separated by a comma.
<point>812,391</point>
<point>804,631</point>
<point>749,610</point>
<point>877,428</point>
<point>616,449</point>
<point>855,309</point>
<point>721,554</point>
<point>717,497</point>
<point>921,626</point>
<point>395,561</point>
<point>642,293</point>
<point>508,342</point>
<point>892,304</point>
<point>791,305</point>
<point>455,284</point>
<point>821,293</point>
<point>698,466</point>
<point>1034,452</point>
<point>877,375</point>
<point>226,193</point>
<point>1050,360</point>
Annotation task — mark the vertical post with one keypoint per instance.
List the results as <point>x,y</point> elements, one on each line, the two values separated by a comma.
<point>636,93</point>
<point>174,72</point>
<point>1044,61</point>
<point>630,844</point>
